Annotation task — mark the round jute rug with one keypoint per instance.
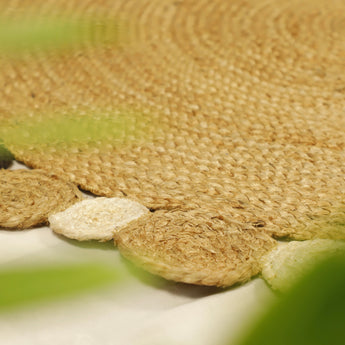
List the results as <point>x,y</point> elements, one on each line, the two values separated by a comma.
<point>236,106</point>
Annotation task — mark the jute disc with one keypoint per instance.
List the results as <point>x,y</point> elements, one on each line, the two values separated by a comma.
<point>28,197</point>
<point>195,247</point>
<point>288,262</point>
<point>96,219</point>
<point>238,105</point>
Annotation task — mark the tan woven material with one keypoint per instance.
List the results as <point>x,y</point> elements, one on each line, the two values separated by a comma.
<point>28,197</point>
<point>195,247</point>
<point>242,104</point>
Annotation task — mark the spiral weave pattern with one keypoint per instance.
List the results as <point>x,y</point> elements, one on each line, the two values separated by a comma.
<point>241,103</point>
<point>29,197</point>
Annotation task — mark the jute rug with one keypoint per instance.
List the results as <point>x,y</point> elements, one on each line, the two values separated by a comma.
<point>233,106</point>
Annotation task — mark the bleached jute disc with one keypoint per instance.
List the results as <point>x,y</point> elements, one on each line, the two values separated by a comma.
<point>96,219</point>
<point>286,263</point>
<point>28,197</point>
<point>195,247</point>
<point>238,105</point>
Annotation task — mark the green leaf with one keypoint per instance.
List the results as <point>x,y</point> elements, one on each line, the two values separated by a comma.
<point>75,129</point>
<point>23,285</point>
<point>6,157</point>
<point>32,33</point>
<point>311,313</point>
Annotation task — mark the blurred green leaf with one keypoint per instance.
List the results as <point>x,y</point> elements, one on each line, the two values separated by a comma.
<point>6,157</point>
<point>78,129</point>
<point>311,313</point>
<point>22,285</point>
<point>31,32</point>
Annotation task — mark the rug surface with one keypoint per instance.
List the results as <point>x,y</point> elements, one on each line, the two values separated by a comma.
<point>235,106</point>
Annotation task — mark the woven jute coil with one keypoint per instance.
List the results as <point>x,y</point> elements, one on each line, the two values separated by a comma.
<point>96,219</point>
<point>195,247</point>
<point>237,105</point>
<point>28,197</point>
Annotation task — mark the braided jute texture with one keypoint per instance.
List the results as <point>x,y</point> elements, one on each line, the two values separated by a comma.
<point>232,105</point>
<point>28,197</point>
<point>197,246</point>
